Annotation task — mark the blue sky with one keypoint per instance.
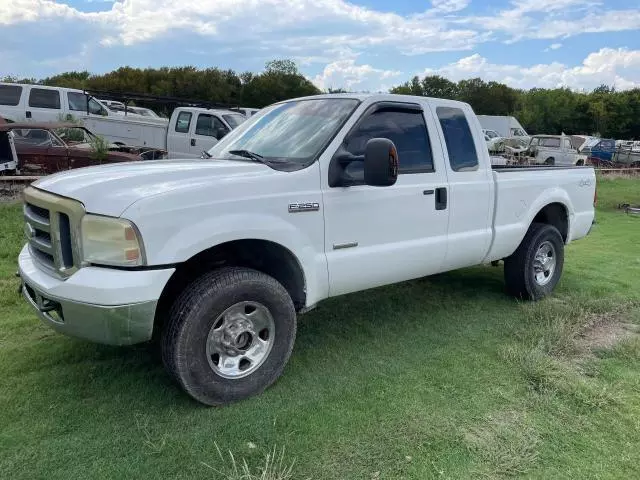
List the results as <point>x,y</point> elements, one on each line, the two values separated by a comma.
<point>359,44</point>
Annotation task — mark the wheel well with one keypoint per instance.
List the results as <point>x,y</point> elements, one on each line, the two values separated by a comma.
<point>262,255</point>
<point>554,214</point>
<point>580,163</point>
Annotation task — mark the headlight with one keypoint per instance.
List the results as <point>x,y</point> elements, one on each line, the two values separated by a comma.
<point>111,241</point>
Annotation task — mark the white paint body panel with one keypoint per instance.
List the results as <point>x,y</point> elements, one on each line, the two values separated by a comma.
<point>185,207</point>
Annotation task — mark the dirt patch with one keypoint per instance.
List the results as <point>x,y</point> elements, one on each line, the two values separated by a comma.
<point>604,333</point>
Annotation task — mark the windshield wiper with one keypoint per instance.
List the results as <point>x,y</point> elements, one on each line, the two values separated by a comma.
<point>248,154</point>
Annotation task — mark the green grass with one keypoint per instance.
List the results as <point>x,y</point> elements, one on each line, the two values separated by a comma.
<point>444,377</point>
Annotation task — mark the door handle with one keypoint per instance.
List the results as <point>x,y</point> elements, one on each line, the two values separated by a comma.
<point>441,198</point>
<point>28,114</point>
<point>193,142</point>
<point>427,192</point>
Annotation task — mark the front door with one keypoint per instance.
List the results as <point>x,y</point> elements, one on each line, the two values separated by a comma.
<point>208,129</point>
<point>179,134</point>
<point>380,235</point>
<point>39,152</point>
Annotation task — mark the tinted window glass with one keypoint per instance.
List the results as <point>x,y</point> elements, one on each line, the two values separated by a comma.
<point>10,94</point>
<point>607,144</point>
<point>183,122</point>
<point>550,142</point>
<point>458,137</point>
<point>41,98</point>
<point>405,128</point>
<point>209,125</point>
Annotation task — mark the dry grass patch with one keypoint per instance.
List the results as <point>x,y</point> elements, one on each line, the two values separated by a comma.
<point>506,444</point>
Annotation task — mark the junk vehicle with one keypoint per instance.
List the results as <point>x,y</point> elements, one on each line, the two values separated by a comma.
<point>46,148</point>
<point>555,150</point>
<point>308,199</point>
<point>188,132</point>
<point>507,127</point>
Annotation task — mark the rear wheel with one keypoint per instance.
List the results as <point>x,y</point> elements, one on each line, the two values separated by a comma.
<point>229,335</point>
<point>550,161</point>
<point>534,269</point>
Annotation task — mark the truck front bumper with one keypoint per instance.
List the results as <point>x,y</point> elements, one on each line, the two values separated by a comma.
<point>115,307</point>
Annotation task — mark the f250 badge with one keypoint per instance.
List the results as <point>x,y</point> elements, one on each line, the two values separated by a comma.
<point>304,207</point>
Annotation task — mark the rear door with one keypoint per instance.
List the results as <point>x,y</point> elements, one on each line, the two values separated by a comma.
<point>43,105</point>
<point>470,194</point>
<point>207,130</point>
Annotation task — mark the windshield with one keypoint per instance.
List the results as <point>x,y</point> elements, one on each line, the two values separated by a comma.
<point>234,119</point>
<point>292,132</point>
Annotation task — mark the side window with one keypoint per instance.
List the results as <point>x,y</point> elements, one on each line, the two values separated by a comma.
<point>405,128</point>
<point>78,103</point>
<point>183,122</point>
<point>44,98</point>
<point>534,142</point>
<point>10,95</point>
<point>567,144</point>
<point>458,138</point>
<point>32,137</point>
<point>209,125</point>
<point>550,142</point>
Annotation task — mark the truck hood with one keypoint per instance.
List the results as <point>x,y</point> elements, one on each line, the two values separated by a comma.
<point>110,189</point>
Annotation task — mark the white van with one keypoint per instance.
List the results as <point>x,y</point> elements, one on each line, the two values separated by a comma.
<point>38,103</point>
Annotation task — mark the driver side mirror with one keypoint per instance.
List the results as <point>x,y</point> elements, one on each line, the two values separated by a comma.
<point>380,163</point>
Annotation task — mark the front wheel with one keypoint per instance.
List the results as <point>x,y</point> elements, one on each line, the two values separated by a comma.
<point>534,269</point>
<point>229,335</point>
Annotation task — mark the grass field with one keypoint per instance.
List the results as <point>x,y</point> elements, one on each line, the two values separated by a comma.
<point>444,377</point>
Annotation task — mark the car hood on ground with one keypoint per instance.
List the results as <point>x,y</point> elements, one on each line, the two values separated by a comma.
<point>110,189</point>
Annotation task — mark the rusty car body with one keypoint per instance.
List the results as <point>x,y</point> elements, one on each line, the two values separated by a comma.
<point>46,148</point>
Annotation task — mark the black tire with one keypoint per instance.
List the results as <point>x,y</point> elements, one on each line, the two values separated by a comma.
<point>519,271</point>
<point>550,161</point>
<point>184,337</point>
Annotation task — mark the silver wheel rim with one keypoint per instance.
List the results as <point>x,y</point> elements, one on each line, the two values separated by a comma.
<point>240,340</point>
<point>544,263</point>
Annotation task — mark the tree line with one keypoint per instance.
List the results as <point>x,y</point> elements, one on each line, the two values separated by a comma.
<point>603,111</point>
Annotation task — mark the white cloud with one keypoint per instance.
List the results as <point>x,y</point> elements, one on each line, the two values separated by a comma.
<point>448,6</point>
<point>347,74</point>
<point>555,46</point>
<point>617,67</point>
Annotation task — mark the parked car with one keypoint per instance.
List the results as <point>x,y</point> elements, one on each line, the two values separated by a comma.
<point>555,150</point>
<point>46,148</point>
<point>179,136</point>
<point>311,198</point>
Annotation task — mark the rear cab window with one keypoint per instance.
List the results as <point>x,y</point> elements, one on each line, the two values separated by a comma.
<point>458,138</point>
<point>10,95</point>
<point>183,122</point>
<point>44,98</point>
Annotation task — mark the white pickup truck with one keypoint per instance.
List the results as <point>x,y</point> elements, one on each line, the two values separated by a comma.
<point>308,199</point>
<point>188,132</point>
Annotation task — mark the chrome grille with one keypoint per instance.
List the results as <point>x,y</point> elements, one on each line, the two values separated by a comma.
<point>52,229</point>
